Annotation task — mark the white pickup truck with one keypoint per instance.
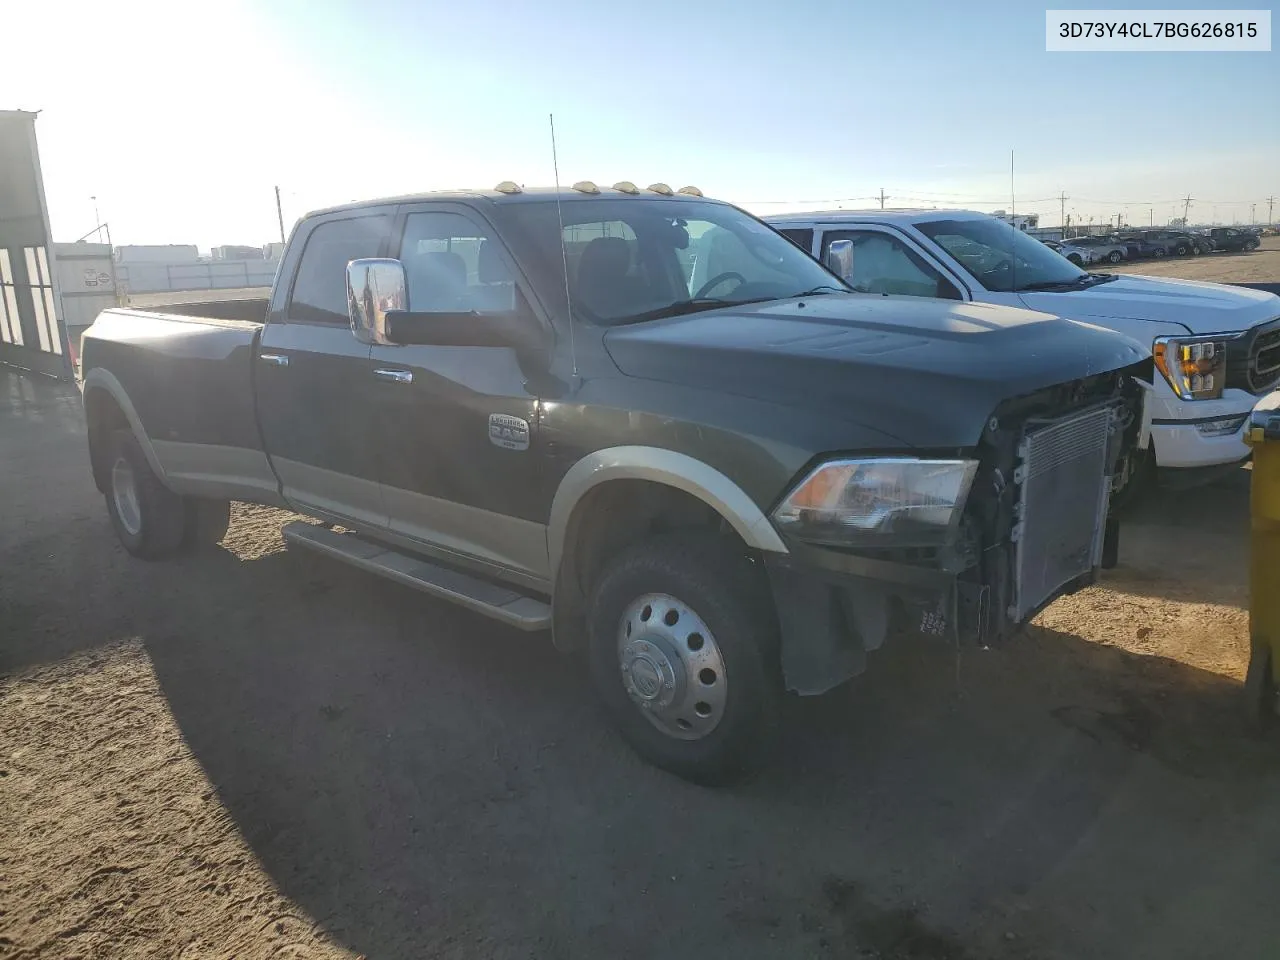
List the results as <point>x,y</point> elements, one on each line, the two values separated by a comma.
<point>1216,347</point>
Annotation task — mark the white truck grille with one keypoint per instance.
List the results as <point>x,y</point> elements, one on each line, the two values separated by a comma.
<point>1065,488</point>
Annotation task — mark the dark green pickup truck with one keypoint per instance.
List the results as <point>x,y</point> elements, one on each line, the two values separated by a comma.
<point>641,419</point>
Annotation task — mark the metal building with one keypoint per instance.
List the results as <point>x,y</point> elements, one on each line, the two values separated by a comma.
<point>32,334</point>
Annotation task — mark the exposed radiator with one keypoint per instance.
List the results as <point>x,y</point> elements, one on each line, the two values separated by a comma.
<point>1065,489</point>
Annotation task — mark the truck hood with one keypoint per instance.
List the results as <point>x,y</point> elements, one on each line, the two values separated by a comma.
<point>928,372</point>
<point>1200,307</point>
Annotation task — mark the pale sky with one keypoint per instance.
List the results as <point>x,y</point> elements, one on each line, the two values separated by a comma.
<point>181,117</point>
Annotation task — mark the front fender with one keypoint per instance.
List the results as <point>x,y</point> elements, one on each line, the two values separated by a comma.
<point>667,467</point>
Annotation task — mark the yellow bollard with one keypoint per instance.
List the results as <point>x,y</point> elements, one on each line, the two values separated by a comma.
<point>1263,680</point>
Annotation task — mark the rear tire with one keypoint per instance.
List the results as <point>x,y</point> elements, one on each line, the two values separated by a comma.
<point>1115,256</point>
<point>1074,258</point>
<point>1182,250</point>
<point>1158,252</point>
<point>683,624</point>
<point>205,522</point>
<point>149,518</point>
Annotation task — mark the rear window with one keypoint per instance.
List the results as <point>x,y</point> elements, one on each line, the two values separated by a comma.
<point>800,237</point>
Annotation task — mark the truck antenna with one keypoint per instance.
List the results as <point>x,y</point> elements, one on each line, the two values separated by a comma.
<point>564,252</point>
<point>1013,222</point>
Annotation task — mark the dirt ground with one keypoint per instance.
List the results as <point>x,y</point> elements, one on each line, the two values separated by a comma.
<point>1260,266</point>
<point>255,754</point>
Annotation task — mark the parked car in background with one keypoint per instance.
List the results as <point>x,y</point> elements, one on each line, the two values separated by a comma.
<point>1216,348</point>
<point>1172,242</point>
<point>1139,247</point>
<point>1202,241</point>
<point>1078,255</point>
<point>1234,240</point>
<point>1106,249</point>
<point>736,476</point>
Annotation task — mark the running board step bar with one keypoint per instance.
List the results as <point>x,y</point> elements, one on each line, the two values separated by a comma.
<point>490,599</point>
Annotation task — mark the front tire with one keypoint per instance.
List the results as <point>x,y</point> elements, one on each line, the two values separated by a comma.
<point>1182,250</point>
<point>149,518</point>
<point>1115,256</point>
<point>1159,252</point>
<point>683,654</point>
<point>1074,258</point>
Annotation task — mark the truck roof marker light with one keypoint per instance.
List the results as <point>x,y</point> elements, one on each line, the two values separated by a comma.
<point>508,187</point>
<point>626,186</point>
<point>586,186</point>
<point>690,191</point>
<point>661,188</point>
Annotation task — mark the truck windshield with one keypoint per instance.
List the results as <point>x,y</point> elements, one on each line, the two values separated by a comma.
<point>632,260</point>
<point>1001,258</point>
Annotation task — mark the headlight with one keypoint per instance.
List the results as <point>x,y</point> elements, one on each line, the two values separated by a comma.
<point>892,501</point>
<point>1196,367</point>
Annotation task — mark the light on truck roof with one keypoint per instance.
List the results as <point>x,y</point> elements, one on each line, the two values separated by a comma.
<point>508,186</point>
<point>661,188</point>
<point>586,186</point>
<point>690,191</point>
<point>626,186</point>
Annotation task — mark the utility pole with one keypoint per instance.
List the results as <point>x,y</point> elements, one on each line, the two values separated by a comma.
<point>1253,217</point>
<point>883,198</point>
<point>1186,209</point>
<point>280,214</point>
<point>1062,207</point>
<point>1271,203</point>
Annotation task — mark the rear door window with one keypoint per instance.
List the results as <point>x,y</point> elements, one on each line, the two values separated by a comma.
<point>320,287</point>
<point>800,237</point>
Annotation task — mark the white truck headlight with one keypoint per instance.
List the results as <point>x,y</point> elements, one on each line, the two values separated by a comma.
<point>1196,367</point>
<point>881,501</point>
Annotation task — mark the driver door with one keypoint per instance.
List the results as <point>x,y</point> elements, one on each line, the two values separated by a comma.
<point>456,427</point>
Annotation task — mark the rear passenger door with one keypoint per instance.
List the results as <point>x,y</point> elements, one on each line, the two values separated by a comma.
<point>315,382</point>
<point>885,263</point>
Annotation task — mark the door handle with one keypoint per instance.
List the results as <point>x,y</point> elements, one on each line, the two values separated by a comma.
<point>276,359</point>
<point>398,376</point>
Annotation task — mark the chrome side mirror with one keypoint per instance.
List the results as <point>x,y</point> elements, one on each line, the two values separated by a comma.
<point>839,258</point>
<point>374,287</point>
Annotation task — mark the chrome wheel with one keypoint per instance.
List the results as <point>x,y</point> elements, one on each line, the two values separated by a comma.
<point>124,492</point>
<point>671,666</point>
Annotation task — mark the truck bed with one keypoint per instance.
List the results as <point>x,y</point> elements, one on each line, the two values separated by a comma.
<point>188,382</point>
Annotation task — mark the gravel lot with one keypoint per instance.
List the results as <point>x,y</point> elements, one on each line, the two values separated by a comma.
<point>1260,266</point>
<point>256,754</point>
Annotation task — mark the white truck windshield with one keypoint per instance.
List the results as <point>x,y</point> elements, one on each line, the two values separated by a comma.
<point>1000,257</point>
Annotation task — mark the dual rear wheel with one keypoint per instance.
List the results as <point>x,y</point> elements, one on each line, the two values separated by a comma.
<point>151,520</point>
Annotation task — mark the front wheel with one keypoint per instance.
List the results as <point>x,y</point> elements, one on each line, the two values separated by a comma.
<point>1182,250</point>
<point>683,652</point>
<point>1158,252</point>
<point>1115,256</point>
<point>1075,258</point>
<point>1251,246</point>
